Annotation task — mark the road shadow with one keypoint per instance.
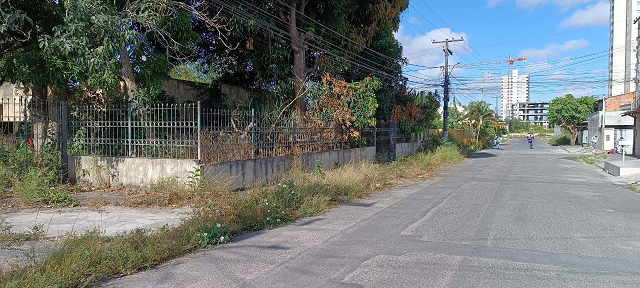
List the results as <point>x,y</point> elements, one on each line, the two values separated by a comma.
<point>482,155</point>
<point>358,204</point>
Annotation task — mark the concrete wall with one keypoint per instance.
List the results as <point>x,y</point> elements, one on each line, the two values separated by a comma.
<point>243,174</point>
<point>407,149</point>
<point>126,172</point>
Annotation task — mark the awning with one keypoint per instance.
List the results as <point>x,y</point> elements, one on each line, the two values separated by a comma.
<point>633,113</point>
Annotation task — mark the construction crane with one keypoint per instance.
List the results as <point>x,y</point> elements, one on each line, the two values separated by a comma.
<point>508,106</point>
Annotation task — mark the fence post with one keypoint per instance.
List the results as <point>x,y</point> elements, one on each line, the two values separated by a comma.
<point>26,136</point>
<point>199,131</point>
<point>129,146</point>
<point>392,142</point>
<point>253,129</point>
<point>375,137</point>
<point>64,134</point>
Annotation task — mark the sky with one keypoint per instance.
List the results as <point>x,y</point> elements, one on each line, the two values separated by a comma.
<point>566,43</point>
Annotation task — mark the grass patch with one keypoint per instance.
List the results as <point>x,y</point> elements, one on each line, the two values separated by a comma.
<point>633,187</point>
<point>592,159</point>
<point>220,213</point>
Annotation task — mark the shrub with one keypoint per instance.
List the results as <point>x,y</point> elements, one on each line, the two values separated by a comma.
<point>434,141</point>
<point>560,140</point>
<point>213,234</point>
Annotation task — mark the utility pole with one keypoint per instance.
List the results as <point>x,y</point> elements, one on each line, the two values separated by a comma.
<point>445,108</point>
<point>635,102</point>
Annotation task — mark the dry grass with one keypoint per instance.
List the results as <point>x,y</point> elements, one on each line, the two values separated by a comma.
<point>88,259</point>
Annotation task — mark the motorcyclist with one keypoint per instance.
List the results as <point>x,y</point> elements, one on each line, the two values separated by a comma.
<point>496,141</point>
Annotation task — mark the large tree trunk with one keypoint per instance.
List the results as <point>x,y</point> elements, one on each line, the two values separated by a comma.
<point>127,73</point>
<point>299,60</point>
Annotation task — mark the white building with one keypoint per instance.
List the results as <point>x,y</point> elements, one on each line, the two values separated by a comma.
<point>515,89</point>
<point>622,45</point>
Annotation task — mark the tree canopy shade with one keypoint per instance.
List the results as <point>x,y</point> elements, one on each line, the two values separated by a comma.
<point>570,113</point>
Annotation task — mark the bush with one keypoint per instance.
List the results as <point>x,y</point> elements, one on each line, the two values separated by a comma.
<point>433,142</point>
<point>560,140</point>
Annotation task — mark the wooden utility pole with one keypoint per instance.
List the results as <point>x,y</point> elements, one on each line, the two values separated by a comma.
<point>445,107</point>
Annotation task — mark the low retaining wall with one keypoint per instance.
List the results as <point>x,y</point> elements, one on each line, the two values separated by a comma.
<point>142,172</point>
<point>243,174</point>
<point>126,172</point>
<point>407,149</point>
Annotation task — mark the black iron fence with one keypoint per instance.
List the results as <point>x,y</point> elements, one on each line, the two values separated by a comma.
<point>184,131</point>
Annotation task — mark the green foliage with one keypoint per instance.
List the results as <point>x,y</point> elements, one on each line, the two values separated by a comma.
<point>319,170</point>
<point>538,129</point>
<point>418,113</point>
<point>213,234</point>
<point>456,118</point>
<point>362,102</point>
<point>434,141</point>
<point>569,112</point>
<point>195,181</point>
<point>482,121</point>
<point>517,125</point>
<point>267,208</point>
<point>560,140</point>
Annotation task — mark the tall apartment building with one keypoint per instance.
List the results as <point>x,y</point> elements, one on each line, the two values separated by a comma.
<point>515,89</point>
<point>622,45</point>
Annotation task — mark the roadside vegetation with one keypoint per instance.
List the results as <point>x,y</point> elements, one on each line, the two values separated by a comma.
<point>564,139</point>
<point>219,214</point>
<point>594,158</point>
<point>32,178</point>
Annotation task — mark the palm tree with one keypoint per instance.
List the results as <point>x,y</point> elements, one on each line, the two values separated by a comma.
<point>478,113</point>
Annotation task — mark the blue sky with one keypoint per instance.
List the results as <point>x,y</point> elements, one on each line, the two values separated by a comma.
<point>566,43</point>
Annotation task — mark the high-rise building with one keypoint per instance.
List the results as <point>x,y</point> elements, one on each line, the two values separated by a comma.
<point>622,45</point>
<point>515,89</point>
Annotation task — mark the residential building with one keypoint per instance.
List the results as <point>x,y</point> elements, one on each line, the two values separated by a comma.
<point>515,89</point>
<point>537,113</point>
<point>622,46</point>
<point>609,122</point>
<point>13,100</point>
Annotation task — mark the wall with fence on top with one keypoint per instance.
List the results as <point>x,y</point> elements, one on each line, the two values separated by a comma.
<point>125,146</point>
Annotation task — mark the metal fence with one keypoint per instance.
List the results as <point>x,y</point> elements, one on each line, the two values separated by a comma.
<point>241,135</point>
<point>165,131</point>
<point>184,131</point>
<point>30,136</point>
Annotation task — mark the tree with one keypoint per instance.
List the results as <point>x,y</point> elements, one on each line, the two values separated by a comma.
<point>290,45</point>
<point>518,125</point>
<point>456,118</point>
<point>570,113</point>
<point>479,114</point>
<point>107,47</point>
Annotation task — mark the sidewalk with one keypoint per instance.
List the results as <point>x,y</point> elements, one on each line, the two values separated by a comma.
<point>630,168</point>
<point>53,223</point>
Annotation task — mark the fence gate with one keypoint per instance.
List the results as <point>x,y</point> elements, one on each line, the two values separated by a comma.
<point>386,134</point>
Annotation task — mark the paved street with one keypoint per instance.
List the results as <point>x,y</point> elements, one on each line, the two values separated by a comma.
<point>513,217</point>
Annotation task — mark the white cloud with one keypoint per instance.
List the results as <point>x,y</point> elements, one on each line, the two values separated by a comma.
<point>564,4</point>
<point>493,2</point>
<point>414,20</point>
<point>592,15</point>
<point>420,50</point>
<point>554,49</point>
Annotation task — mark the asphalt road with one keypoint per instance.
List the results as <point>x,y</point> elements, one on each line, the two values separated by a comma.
<point>514,217</point>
